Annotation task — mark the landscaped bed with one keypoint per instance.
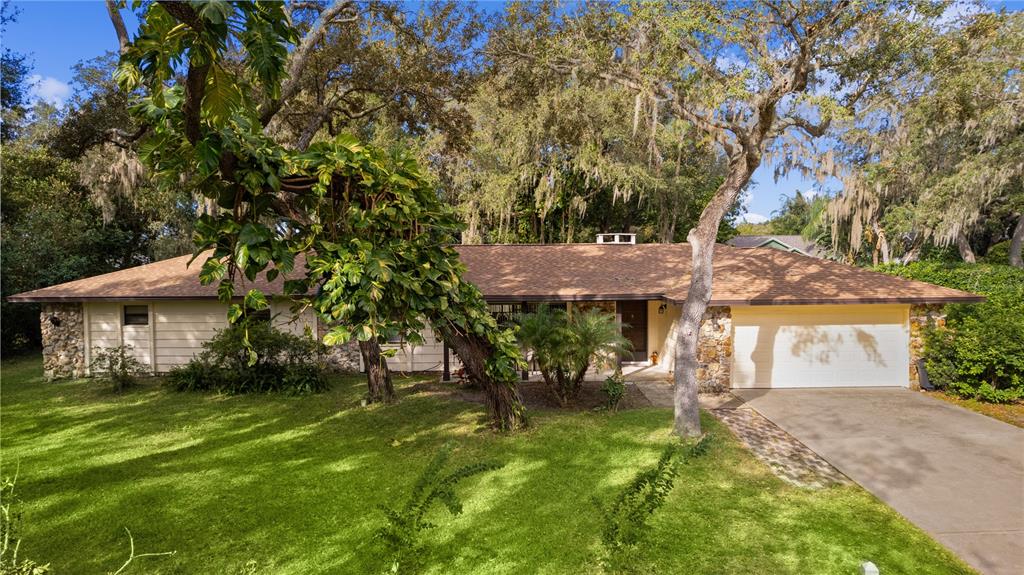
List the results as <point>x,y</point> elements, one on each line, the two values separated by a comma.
<point>279,484</point>
<point>1012,413</point>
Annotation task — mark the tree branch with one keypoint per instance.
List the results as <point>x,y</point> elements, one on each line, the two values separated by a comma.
<point>122,32</point>
<point>811,129</point>
<point>300,57</point>
<point>195,80</point>
<point>123,139</point>
<point>183,13</point>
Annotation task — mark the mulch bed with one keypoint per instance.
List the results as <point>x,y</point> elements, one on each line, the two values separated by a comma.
<point>1012,413</point>
<point>536,395</point>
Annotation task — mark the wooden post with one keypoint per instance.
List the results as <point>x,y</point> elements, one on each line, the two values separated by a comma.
<point>446,373</point>
<point>618,320</point>
<point>526,370</point>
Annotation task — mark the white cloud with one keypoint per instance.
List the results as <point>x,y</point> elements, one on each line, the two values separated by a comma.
<point>751,218</point>
<point>48,89</point>
<point>745,199</point>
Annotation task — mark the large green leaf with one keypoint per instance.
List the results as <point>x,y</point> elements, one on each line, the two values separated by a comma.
<point>222,97</point>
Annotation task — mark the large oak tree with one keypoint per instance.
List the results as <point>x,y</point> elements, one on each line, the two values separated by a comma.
<point>759,79</point>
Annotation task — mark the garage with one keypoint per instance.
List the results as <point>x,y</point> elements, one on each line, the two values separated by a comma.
<point>820,346</point>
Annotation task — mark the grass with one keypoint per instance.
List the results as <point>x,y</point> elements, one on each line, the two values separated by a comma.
<point>1012,413</point>
<point>275,484</point>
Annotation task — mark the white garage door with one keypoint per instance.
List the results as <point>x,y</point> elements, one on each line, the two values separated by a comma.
<point>820,346</point>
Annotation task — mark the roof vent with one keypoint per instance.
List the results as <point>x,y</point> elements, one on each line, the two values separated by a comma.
<point>616,238</point>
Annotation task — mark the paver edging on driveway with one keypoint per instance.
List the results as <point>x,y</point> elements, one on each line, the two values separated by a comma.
<point>789,459</point>
<point>956,474</point>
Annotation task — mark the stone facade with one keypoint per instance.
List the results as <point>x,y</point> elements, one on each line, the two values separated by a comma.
<point>714,350</point>
<point>921,316</point>
<point>63,328</point>
<point>344,357</point>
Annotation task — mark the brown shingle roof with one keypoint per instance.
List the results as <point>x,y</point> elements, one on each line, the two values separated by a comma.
<point>651,271</point>
<point>166,279</point>
<point>759,276</point>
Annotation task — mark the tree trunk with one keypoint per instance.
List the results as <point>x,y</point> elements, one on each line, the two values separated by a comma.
<point>965,248</point>
<point>881,244</point>
<point>1016,243</point>
<point>378,376</point>
<point>913,253</point>
<point>503,400</point>
<point>702,246</point>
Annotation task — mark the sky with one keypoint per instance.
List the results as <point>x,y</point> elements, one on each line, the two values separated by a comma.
<point>57,35</point>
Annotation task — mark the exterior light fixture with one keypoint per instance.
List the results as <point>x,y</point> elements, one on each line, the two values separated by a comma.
<point>54,321</point>
<point>662,308</point>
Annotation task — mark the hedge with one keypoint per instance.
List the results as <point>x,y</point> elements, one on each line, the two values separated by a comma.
<point>980,352</point>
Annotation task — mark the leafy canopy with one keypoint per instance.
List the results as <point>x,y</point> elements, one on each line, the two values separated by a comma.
<point>374,236</point>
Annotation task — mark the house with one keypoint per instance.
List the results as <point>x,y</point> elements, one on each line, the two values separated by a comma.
<point>786,243</point>
<point>776,318</point>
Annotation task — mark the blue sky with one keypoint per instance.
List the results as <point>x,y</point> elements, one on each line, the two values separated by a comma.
<point>57,35</point>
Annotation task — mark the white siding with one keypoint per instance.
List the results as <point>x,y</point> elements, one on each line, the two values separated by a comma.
<point>426,357</point>
<point>182,327</point>
<point>137,336</point>
<point>106,330</point>
<point>104,324</point>
<point>178,330</point>
<point>285,319</point>
<point>820,346</point>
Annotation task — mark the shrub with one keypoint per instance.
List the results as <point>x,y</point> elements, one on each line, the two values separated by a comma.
<point>614,389</point>
<point>980,351</point>
<point>403,527</point>
<point>564,346</point>
<point>116,366</point>
<point>998,254</point>
<point>273,361</point>
<point>625,520</point>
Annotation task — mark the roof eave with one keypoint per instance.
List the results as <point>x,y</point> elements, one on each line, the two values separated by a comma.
<point>82,299</point>
<point>918,300</point>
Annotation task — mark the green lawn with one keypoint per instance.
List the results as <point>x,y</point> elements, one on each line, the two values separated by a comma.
<point>274,484</point>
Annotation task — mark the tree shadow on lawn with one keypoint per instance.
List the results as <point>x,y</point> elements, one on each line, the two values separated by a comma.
<point>157,460</point>
<point>293,483</point>
<point>727,514</point>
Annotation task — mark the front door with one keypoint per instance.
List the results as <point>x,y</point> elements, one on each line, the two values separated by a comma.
<point>634,327</point>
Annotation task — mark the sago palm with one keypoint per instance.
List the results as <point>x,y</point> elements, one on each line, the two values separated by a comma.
<point>564,347</point>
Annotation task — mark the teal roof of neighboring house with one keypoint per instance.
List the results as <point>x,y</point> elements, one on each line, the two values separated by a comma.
<point>789,243</point>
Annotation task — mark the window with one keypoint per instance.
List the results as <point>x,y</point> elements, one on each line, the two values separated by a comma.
<point>258,316</point>
<point>136,315</point>
<point>505,313</point>
<point>508,313</point>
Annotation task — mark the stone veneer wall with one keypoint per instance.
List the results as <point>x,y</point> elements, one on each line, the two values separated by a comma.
<point>344,357</point>
<point>63,328</point>
<point>714,350</point>
<point>920,317</point>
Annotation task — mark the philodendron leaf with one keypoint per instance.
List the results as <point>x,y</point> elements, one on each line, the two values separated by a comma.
<point>337,335</point>
<point>212,270</point>
<point>226,290</point>
<point>255,300</point>
<point>234,313</point>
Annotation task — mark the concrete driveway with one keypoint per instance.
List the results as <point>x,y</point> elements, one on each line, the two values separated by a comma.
<point>956,474</point>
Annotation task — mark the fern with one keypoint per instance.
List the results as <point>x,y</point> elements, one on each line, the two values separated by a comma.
<point>625,520</point>
<point>403,527</point>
